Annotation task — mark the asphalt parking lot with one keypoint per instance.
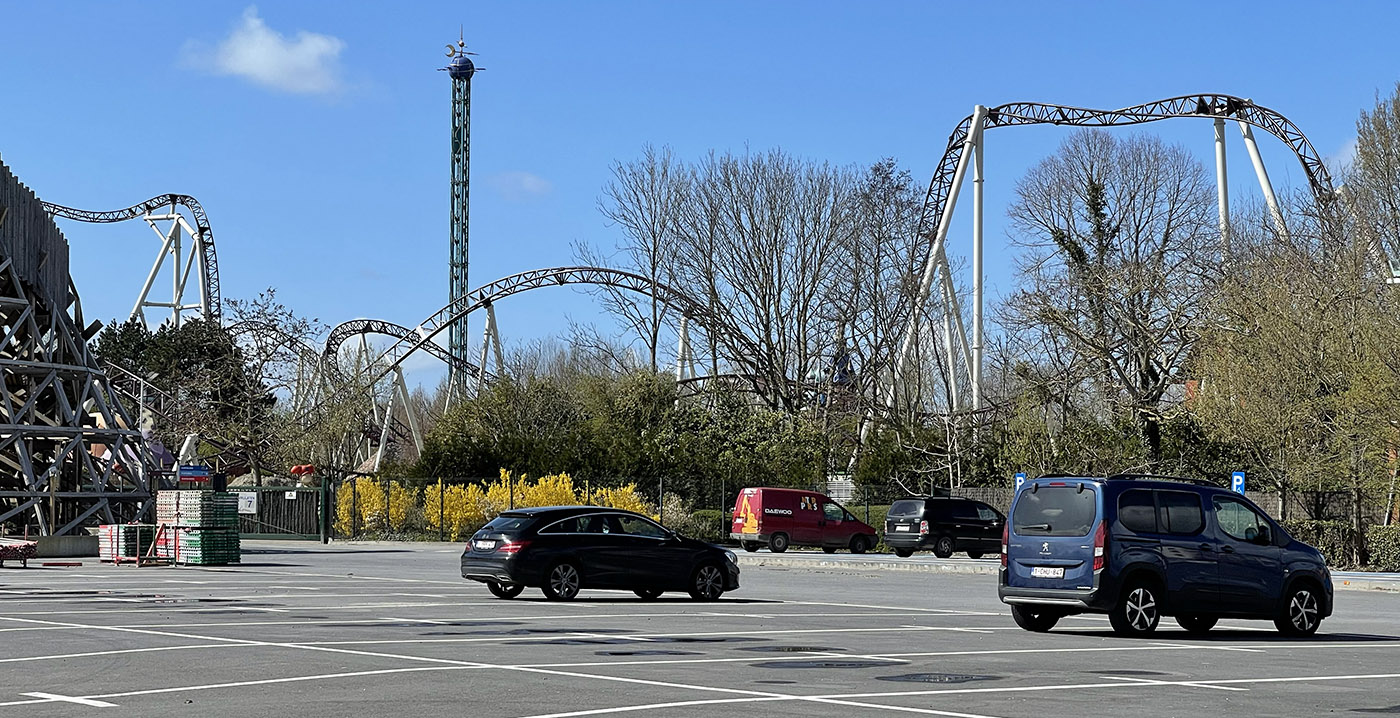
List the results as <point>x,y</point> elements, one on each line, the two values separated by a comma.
<point>389,630</point>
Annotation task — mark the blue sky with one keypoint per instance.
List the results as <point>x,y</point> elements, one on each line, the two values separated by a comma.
<point>315,134</point>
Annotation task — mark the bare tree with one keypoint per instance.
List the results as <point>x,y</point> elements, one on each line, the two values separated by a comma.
<point>644,198</point>
<point>1117,235</point>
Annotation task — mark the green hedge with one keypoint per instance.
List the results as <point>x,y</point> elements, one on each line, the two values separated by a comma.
<point>709,525</point>
<point>1335,539</point>
<point>1383,546</point>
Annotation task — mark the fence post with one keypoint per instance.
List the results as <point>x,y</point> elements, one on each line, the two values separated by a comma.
<point>355,507</point>
<point>661,499</point>
<point>441,528</point>
<point>388,504</point>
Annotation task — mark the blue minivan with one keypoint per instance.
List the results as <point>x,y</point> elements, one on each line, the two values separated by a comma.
<point>1140,547</point>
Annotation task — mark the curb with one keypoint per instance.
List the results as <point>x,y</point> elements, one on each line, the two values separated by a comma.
<point>1341,581</point>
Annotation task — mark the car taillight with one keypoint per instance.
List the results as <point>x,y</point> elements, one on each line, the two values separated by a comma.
<point>1100,543</point>
<point>923,528</point>
<point>512,546</point>
<point>1005,536</point>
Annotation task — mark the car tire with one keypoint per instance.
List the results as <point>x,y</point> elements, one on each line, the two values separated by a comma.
<point>505,590</point>
<point>1301,613</point>
<point>707,583</point>
<point>1138,609</point>
<point>859,544</point>
<point>943,548</point>
<point>647,594</point>
<point>778,543</point>
<point>1199,625</point>
<point>751,546</point>
<point>562,582</point>
<point>974,555</point>
<point>904,552</point>
<point>1034,620</point>
<point>829,549</point>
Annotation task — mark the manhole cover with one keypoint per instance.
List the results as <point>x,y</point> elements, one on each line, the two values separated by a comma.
<point>791,649</point>
<point>705,639</point>
<point>777,683</point>
<point>1129,673</point>
<point>823,663</point>
<point>936,678</point>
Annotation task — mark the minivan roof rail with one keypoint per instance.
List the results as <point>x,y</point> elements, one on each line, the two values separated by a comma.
<point>1161,477</point>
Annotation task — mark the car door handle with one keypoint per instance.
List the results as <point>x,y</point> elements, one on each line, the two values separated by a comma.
<point>1206,547</point>
<point>1226,549</point>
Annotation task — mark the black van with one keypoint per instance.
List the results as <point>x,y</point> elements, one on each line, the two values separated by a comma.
<point>946,524</point>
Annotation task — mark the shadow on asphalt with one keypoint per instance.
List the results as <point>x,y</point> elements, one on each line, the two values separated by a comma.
<point>1224,635</point>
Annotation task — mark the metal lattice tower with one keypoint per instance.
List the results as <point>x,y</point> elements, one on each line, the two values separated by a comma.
<point>461,69</point>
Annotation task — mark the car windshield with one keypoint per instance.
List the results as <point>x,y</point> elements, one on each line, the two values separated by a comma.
<point>907,508</point>
<point>1055,511</point>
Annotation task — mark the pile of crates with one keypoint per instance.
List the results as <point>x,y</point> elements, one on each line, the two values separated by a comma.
<point>197,527</point>
<point>124,542</point>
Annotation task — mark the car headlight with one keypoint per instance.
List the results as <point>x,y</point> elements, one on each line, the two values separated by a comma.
<point>732,558</point>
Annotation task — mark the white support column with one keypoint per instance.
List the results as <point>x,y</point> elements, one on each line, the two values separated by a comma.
<point>197,254</point>
<point>496,338</point>
<point>384,432</point>
<point>413,427</point>
<point>175,234</point>
<point>976,368</point>
<point>138,310</point>
<point>682,346</point>
<point>931,264</point>
<point>481,366</point>
<point>1264,185</point>
<point>951,376</point>
<point>1222,187</point>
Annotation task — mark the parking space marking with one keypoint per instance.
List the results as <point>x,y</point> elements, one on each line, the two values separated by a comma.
<point>93,654</point>
<point>1217,648</point>
<point>70,699</point>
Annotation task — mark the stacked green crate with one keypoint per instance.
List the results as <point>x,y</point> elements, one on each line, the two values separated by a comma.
<point>124,541</point>
<point>201,527</point>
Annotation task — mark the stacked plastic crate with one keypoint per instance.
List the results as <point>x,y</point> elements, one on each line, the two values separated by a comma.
<point>121,542</point>
<point>198,527</point>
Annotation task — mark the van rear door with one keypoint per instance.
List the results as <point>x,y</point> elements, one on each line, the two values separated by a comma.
<point>1051,542</point>
<point>748,509</point>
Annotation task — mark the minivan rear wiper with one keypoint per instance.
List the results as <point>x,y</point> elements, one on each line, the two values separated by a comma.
<point>1034,527</point>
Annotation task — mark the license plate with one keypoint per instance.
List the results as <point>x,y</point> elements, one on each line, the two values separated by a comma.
<point>484,545</point>
<point>1047,572</point>
<point>901,528</point>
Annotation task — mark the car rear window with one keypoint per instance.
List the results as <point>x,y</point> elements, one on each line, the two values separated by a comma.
<point>509,522</point>
<point>1137,511</point>
<point>1055,511</point>
<point>1181,512</point>
<point>907,508</point>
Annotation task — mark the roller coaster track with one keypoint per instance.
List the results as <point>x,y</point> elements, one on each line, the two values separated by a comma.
<point>1035,113</point>
<point>345,331</point>
<point>418,338</point>
<point>209,258</point>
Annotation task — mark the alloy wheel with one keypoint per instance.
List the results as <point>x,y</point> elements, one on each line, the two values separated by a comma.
<point>1302,611</point>
<point>563,581</point>
<point>709,583</point>
<point>1141,609</point>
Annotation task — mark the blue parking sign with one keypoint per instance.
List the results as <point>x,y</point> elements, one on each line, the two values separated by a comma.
<point>1020,479</point>
<point>1237,482</point>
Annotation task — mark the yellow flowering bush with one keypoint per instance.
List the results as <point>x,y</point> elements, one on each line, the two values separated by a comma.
<point>458,510</point>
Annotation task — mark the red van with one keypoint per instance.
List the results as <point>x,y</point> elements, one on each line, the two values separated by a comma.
<point>782,517</point>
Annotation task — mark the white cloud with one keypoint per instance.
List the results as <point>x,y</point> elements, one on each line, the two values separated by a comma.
<point>1340,162</point>
<point>307,64</point>
<point>518,185</point>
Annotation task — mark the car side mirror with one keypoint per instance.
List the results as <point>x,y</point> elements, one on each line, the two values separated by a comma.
<point>1265,536</point>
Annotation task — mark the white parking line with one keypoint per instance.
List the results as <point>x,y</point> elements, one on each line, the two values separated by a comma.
<point>1150,681</point>
<point>70,699</point>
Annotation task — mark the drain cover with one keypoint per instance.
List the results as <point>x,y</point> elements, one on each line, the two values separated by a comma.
<point>1129,673</point>
<point>937,678</point>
